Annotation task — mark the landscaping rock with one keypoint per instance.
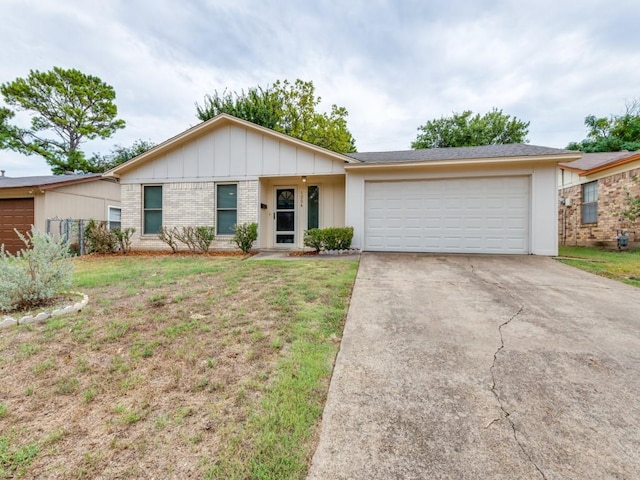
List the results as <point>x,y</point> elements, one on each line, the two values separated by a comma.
<point>42,316</point>
<point>8,322</point>
<point>27,320</point>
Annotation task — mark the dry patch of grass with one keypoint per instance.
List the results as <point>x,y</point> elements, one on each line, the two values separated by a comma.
<point>623,266</point>
<point>186,367</point>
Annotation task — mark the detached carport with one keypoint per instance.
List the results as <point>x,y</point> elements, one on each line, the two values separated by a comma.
<point>491,199</point>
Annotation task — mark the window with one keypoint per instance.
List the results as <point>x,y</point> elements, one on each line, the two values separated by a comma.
<point>226,208</point>
<point>152,209</point>
<point>114,218</point>
<point>313,207</point>
<point>590,202</point>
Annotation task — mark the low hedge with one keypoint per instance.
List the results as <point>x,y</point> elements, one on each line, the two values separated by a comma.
<point>332,238</point>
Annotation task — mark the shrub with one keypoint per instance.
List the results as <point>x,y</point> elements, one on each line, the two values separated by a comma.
<point>333,238</point>
<point>98,238</point>
<point>187,235</point>
<point>124,238</point>
<point>168,236</point>
<point>245,235</point>
<point>313,239</point>
<point>203,237</point>
<point>337,238</point>
<point>35,274</point>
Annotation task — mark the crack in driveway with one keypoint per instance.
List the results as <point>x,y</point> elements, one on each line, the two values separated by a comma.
<point>505,412</point>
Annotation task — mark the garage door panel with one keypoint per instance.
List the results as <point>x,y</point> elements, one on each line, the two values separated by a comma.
<point>15,213</point>
<point>473,215</point>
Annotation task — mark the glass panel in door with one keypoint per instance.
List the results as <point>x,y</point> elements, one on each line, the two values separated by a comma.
<point>285,216</point>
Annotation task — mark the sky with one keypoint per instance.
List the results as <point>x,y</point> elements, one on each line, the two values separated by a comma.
<point>393,64</point>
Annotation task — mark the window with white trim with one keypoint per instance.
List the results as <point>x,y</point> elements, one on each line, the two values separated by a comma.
<point>590,202</point>
<point>152,209</point>
<point>114,217</point>
<point>313,207</point>
<point>226,208</point>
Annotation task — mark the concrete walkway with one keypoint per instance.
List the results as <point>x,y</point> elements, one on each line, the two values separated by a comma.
<point>484,367</point>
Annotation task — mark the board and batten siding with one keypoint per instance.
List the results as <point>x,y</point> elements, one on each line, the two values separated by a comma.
<point>232,153</point>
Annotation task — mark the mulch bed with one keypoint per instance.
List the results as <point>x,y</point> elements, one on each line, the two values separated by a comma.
<point>169,253</point>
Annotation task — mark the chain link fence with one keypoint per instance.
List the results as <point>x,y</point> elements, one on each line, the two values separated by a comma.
<point>71,230</point>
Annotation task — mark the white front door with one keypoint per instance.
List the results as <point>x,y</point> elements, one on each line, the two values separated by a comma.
<point>285,216</point>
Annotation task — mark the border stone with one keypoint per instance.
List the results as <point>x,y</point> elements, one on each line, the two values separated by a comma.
<point>8,322</point>
<point>43,316</point>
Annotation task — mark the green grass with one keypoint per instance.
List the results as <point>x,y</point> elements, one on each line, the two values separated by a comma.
<point>623,266</point>
<point>14,458</point>
<point>216,359</point>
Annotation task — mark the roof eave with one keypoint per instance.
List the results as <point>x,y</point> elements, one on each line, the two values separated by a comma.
<point>66,183</point>
<point>467,161</point>
<point>617,163</point>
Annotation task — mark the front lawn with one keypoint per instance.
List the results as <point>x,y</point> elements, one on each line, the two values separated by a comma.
<point>180,367</point>
<point>623,266</point>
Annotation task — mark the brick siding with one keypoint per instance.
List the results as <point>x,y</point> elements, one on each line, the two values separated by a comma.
<point>612,195</point>
<point>186,204</point>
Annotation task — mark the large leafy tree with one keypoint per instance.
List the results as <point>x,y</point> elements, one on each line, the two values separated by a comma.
<point>289,108</point>
<point>468,130</point>
<point>99,163</point>
<point>613,133</point>
<point>67,107</point>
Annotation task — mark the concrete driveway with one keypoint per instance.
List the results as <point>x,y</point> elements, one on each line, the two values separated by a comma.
<point>484,367</point>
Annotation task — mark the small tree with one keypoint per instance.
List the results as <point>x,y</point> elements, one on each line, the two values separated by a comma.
<point>35,274</point>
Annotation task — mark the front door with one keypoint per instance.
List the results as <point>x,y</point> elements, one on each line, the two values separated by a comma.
<point>285,216</point>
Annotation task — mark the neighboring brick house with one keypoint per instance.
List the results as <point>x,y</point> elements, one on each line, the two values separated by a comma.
<point>593,192</point>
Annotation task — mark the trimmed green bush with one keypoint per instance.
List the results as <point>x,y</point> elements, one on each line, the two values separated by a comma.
<point>337,238</point>
<point>313,239</point>
<point>245,235</point>
<point>332,238</point>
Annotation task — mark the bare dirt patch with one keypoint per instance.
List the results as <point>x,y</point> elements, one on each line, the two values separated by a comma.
<point>166,373</point>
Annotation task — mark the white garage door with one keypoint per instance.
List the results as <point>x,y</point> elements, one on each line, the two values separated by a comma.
<point>467,215</point>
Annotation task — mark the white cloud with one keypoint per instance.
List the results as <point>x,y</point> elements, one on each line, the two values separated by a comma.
<point>393,64</point>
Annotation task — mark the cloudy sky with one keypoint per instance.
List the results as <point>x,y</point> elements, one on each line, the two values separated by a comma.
<point>393,64</point>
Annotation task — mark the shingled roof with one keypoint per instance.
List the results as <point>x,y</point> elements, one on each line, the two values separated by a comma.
<point>600,160</point>
<point>46,180</point>
<point>458,153</point>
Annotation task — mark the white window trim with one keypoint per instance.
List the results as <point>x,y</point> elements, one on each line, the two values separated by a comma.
<point>237,184</point>
<point>113,207</point>
<point>145,234</point>
<point>317,185</point>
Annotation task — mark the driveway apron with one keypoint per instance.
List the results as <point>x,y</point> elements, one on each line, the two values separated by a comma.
<point>473,367</point>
